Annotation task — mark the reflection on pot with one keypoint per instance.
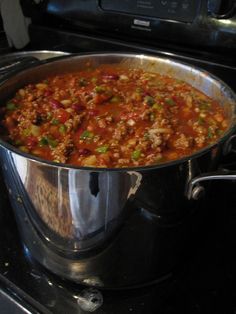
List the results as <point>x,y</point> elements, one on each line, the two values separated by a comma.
<point>82,207</point>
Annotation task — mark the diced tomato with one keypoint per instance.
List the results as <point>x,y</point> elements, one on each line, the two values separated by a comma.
<point>62,115</point>
<point>54,131</point>
<point>31,141</point>
<point>93,112</point>
<point>101,98</point>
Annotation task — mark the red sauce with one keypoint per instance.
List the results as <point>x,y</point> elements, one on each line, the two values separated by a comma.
<point>112,117</point>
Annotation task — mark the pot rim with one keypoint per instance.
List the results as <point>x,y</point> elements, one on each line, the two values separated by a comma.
<point>42,55</point>
<point>230,130</point>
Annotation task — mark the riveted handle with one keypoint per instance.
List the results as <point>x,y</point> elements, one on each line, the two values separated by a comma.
<point>195,189</point>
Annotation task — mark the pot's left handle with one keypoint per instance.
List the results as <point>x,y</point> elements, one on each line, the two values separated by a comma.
<point>12,65</point>
<point>195,189</point>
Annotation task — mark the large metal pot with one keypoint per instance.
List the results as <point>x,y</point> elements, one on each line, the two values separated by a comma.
<point>109,227</point>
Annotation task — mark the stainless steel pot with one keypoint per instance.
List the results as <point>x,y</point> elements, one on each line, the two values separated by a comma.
<point>102,226</point>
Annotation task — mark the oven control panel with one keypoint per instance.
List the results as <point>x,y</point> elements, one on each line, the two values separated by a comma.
<point>179,10</point>
<point>208,25</point>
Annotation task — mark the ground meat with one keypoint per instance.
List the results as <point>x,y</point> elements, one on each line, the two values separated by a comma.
<point>183,142</point>
<point>120,131</point>
<point>102,123</point>
<point>155,138</point>
<point>200,140</point>
<point>123,161</point>
<point>26,118</point>
<point>63,149</point>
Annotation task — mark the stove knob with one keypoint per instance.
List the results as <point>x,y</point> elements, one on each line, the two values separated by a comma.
<point>221,9</point>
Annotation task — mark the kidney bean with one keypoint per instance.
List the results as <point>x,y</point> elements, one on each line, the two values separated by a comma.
<point>55,104</point>
<point>84,151</point>
<point>146,94</point>
<point>47,93</point>
<point>78,107</point>
<point>110,76</point>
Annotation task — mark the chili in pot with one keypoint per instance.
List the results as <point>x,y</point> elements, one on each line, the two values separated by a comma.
<point>109,143</point>
<point>112,117</point>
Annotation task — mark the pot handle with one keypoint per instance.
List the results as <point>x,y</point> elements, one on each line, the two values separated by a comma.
<point>195,190</point>
<point>13,65</point>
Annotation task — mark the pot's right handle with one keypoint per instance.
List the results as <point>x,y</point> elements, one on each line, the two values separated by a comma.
<point>195,189</point>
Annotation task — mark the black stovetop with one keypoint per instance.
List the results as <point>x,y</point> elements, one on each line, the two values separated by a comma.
<point>205,283</point>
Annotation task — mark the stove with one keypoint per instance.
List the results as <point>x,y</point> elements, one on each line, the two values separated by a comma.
<point>205,281</point>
